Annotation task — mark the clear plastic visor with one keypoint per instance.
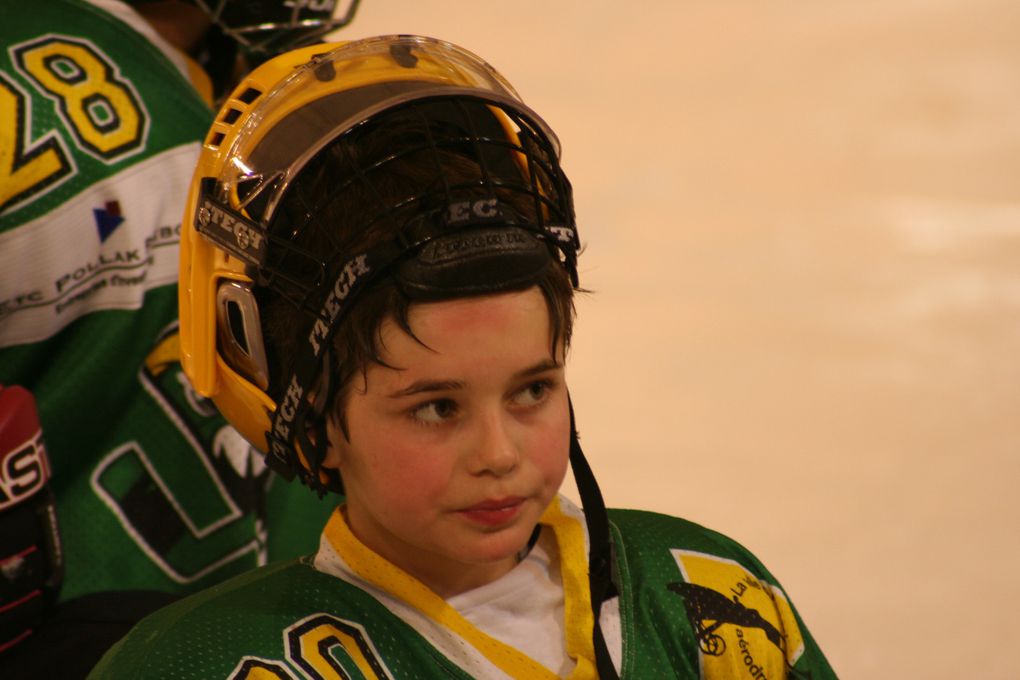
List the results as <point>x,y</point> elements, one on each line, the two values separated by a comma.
<point>309,108</point>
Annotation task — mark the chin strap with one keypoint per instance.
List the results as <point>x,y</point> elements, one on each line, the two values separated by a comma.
<point>600,553</point>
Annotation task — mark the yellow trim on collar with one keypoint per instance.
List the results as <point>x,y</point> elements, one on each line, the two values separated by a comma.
<point>578,619</point>
<point>570,540</point>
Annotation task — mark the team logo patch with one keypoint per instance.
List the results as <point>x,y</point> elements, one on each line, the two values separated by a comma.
<point>108,218</point>
<point>745,627</point>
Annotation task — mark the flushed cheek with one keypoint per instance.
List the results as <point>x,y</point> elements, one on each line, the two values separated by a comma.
<point>553,474</point>
<point>551,452</point>
<point>412,483</point>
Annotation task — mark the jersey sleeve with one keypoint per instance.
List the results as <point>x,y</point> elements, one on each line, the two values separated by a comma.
<point>706,605</point>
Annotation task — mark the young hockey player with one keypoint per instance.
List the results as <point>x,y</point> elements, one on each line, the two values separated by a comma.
<point>377,272</point>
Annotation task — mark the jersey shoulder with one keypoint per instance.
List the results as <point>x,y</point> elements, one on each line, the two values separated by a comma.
<point>203,634</point>
<point>281,621</point>
<point>709,599</point>
<point>652,529</point>
<point>88,94</point>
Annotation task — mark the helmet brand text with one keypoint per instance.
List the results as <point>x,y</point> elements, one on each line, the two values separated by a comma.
<point>462,211</point>
<point>352,271</point>
<point>445,249</point>
<point>287,410</point>
<point>232,231</point>
<point>314,5</point>
<point>565,234</point>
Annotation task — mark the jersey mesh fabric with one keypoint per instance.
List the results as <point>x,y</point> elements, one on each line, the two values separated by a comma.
<point>254,616</point>
<point>260,615</point>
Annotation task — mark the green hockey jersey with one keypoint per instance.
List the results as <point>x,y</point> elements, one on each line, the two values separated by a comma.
<point>100,133</point>
<point>691,604</point>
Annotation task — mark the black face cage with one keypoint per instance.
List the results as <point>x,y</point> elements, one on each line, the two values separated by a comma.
<point>469,174</point>
<point>265,28</point>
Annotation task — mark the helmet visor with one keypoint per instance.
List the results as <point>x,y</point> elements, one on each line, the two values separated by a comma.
<point>305,112</point>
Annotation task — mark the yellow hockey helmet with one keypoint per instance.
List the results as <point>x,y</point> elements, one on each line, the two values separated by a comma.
<point>273,125</point>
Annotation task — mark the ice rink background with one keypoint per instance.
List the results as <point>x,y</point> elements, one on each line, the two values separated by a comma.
<point>803,236</point>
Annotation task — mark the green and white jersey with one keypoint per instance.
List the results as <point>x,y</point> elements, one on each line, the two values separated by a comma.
<point>692,604</point>
<point>99,135</point>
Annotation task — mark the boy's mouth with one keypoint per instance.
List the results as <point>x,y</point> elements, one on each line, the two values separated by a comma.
<point>494,512</point>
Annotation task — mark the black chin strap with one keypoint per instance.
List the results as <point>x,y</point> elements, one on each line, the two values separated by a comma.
<point>600,554</point>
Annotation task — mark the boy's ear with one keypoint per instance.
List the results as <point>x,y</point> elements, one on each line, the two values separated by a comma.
<point>333,436</point>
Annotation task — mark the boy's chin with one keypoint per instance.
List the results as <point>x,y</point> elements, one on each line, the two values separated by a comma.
<point>511,548</point>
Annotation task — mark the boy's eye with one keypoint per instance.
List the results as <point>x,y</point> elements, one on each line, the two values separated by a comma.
<point>434,412</point>
<point>533,394</point>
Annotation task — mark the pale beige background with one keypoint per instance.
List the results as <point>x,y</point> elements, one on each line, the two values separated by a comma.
<point>803,229</point>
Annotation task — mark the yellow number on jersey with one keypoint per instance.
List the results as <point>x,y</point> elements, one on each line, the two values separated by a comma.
<point>26,167</point>
<point>99,107</point>
<point>313,641</point>
<point>250,668</point>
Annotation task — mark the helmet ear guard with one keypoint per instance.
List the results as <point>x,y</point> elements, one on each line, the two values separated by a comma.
<point>239,331</point>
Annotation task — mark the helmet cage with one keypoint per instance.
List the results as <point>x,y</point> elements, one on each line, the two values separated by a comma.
<point>248,212</point>
<point>521,165</point>
<point>269,27</point>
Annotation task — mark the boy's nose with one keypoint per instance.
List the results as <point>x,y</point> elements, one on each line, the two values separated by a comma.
<point>496,452</point>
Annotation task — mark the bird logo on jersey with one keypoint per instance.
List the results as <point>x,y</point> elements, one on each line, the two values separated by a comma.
<point>724,604</point>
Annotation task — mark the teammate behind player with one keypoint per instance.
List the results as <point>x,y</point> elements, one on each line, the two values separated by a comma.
<point>378,265</point>
<point>104,104</point>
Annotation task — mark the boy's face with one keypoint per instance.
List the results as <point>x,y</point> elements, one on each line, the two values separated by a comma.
<point>456,451</point>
